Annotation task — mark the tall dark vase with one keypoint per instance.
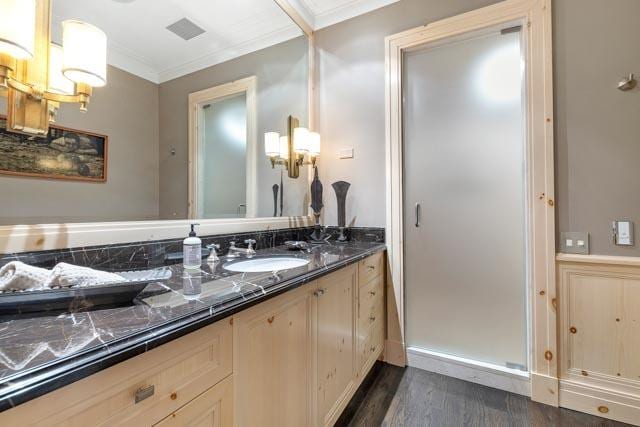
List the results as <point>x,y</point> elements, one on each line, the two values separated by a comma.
<point>341,188</point>
<point>318,236</point>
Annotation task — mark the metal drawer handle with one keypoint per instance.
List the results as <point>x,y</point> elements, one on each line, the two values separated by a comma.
<point>417,214</point>
<point>373,294</point>
<point>144,393</point>
<point>319,292</point>
<point>371,267</point>
<point>372,318</point>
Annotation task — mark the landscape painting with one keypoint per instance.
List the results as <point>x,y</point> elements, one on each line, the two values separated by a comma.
<point>63,154</point>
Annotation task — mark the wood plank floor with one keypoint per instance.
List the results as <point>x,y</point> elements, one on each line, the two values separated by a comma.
<point>412,397</point>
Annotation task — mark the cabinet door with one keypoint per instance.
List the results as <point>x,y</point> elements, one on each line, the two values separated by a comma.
<point>336,367</point>
<point>273,370</point>
<point>213,408</point>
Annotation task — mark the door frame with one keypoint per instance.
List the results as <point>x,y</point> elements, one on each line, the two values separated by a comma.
<point>535,16</point>
<point>196,100</point>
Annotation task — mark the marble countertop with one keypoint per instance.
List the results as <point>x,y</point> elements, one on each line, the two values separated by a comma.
<point>40,353</point>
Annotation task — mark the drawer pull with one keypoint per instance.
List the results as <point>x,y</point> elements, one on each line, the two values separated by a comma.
<point>144,393</point>
<point>270,319</point>
<point>371,267</point>
<point>174,396</point>
<point>603,409</point>
<point>573,330</point>
<point>319,293</point>
<point>372,293</point>
<point>372,318</point>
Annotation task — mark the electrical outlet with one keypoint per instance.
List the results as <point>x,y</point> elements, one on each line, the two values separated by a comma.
<point>572,242</point>
<point>623,233</point>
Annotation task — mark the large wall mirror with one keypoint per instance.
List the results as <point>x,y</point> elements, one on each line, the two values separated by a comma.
<point>178,130</point>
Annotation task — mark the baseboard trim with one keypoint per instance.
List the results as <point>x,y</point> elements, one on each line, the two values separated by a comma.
<point>487,374</point>
<point>604,403</point>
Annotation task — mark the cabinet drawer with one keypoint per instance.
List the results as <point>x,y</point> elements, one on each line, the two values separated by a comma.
<point>213,408</point>
<point>371,346</point>
<point>370,315</point>
<point>370,268</point>
<point>370,295</point>
<point>139,391</point>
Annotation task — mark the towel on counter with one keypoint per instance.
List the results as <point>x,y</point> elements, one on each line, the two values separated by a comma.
<point>18,276</point>
<point>66,275</point>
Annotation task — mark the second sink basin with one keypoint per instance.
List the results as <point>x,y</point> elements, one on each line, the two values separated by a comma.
<point>262,265</point>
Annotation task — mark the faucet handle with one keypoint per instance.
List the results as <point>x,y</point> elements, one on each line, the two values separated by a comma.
<point>250,243</point>
<point>232,244</point>
<point>213,256</point>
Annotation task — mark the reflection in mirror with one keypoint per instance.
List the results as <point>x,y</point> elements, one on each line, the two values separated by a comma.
<point>130,155</point>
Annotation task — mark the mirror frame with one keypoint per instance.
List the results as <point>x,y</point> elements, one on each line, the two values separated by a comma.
<point>38,237</point>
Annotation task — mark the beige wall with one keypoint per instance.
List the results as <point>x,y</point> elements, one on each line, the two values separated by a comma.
<point>127,111</point>
<point>597,126</point>
<point>281,72</point>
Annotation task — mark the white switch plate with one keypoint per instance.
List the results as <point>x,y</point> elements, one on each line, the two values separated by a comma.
<point>574,242</point>
<point>623,233</point>
<point>346,153</point>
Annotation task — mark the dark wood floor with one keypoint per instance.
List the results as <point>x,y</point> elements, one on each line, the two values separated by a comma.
<point>395,396</point>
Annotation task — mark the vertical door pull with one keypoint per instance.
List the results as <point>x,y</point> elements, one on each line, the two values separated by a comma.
<point>417,214</point>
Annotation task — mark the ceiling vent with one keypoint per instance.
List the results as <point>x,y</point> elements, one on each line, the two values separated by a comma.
<point>185,29</point>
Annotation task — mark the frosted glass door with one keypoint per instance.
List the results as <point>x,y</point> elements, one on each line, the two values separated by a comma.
<point>465,266</point>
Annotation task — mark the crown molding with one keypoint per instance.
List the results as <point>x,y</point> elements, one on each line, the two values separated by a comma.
<point>346,11</point>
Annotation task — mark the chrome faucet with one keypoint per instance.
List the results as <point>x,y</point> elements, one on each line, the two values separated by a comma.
<point>235,252</point>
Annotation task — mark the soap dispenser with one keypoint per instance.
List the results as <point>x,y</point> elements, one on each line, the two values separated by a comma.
<point>192,250</point>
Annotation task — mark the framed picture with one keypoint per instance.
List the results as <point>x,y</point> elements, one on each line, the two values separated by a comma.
<point>63,154</point>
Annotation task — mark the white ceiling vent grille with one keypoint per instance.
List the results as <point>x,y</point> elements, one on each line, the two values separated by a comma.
<point>185,29</point>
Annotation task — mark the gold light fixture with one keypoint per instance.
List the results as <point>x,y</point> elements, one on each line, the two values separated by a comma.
<point>37,75</point>
<point>290,150</point>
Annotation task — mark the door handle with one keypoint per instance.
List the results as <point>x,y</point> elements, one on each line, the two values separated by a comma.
<point>417,214</point>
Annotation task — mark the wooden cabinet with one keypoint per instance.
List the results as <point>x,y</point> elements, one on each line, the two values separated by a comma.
<point>371,322</point>
<point>273,367</point>
<point>336,369</point>
<point>139,391</point>
<point>213,408</point>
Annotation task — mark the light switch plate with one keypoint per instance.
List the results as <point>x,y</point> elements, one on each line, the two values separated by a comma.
<point>346,153</point>
<point>574,242</point>
<point>623,233</point>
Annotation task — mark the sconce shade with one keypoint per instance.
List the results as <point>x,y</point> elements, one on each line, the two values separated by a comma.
<point>301,140</point>
<point>314,144</point>
<point>17,28</point>
<point>284,147</point>
<point>272,144</point>
<point>58,83</point>
<point>85,53</point>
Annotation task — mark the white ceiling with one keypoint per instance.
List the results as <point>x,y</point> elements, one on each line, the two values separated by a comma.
<point>322,13</point>
<point>139,42</point>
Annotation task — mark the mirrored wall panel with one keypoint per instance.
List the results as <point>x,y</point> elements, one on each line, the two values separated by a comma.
<point>157,118</point>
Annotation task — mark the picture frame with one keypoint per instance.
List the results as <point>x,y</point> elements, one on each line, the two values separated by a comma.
<point>64,154</point>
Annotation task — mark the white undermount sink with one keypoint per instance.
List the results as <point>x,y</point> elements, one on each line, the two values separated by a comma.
<point>262,265</point>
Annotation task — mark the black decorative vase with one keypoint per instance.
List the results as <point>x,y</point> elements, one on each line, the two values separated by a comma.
<point>341,188</point>
<point>318,236</point>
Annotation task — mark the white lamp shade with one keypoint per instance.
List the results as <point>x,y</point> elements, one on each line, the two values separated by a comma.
<point>284,147</point>
<point>301,140</point>
<point>272,144</point>
<point>17,28</point>
<point>58,83</point>
<point>314,143</point>
<point>85,53</point>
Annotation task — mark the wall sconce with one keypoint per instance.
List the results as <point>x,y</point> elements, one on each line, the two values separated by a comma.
<point>290,150</point>
<point>37,75</point>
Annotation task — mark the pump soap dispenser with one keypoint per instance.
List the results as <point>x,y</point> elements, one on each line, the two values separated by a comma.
<point>192,250</point>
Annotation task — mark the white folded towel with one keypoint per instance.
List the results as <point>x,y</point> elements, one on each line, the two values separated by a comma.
<point>65,275</point>
<point>18,276</point>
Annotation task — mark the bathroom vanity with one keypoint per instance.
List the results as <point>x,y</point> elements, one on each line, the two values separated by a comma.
<point>289,348</point>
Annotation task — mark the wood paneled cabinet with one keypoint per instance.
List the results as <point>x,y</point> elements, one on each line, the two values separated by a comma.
<point>273,361</point>
<point>336,330</point>
<point>299,358</point>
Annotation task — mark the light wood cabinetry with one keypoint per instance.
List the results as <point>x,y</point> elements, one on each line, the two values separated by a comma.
<point>139,391</point>
<point>336,331</point>
<point>294,360</point>
<point>599,329</point>
<point>273,355</point>
<point>213,408</point>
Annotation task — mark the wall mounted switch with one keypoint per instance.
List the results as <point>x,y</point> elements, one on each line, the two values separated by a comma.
<point>623,233</point>
<point>574,242</point>
<point>346,153</point>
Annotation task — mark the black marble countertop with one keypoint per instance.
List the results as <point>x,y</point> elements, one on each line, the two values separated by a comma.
<point>41,353</point>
